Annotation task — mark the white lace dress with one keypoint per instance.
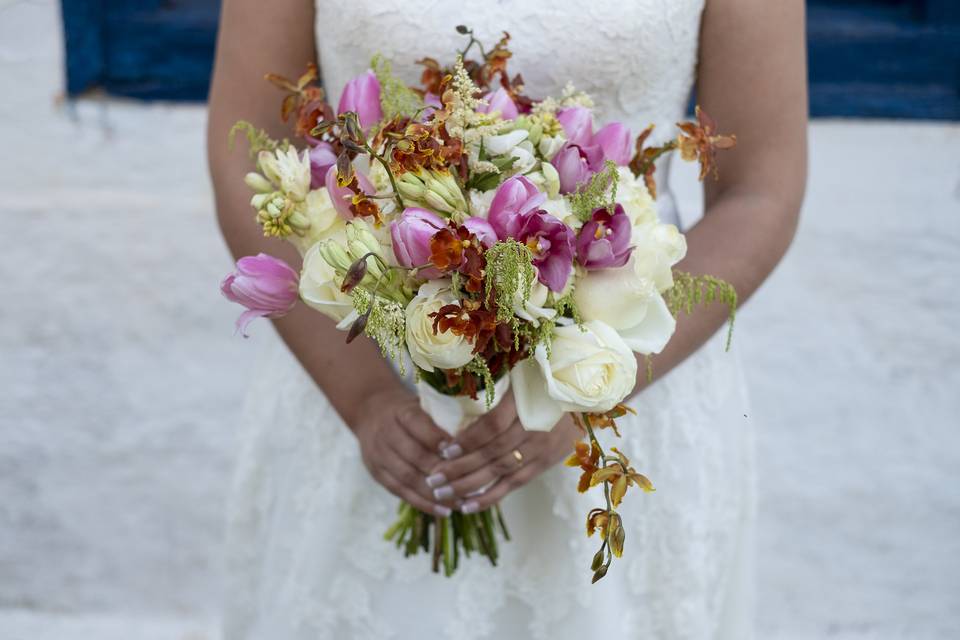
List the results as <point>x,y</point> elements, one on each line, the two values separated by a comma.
<point>306,557</point>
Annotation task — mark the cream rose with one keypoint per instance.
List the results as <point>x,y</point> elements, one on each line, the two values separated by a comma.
<point>428,350</point>
<point>323,219</point>
<point>657,247</point>
<point>588,370</point>
<point>320,290</point>
<point>637,203</point>
<point>627,300</point>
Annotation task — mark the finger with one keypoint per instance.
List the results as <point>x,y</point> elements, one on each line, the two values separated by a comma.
<point>452,470</point>
<point>397,488</point>
<point>410,477</point>
<point>399,442</point>
<point>499,491</point>
<point>418,424</point>
<point>488,426</point>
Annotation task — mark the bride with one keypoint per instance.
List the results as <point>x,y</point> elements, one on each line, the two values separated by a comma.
<point>336,438</point>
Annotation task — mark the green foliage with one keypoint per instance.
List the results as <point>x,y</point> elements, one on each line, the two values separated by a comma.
<point>396,98</point>
<point>689,291</point>
<point>386,324</point>
<point>258,139</point>
<point>599,192</point>
<point>478,366</point>
<point>509,273</point>
<point>566,307</point>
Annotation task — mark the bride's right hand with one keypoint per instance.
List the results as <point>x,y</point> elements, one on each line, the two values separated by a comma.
<point>400,445</point>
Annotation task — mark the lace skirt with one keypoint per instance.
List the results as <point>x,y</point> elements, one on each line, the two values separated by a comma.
<point>307,559</point>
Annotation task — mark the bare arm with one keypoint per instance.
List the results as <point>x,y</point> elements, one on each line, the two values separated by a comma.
<point>399,443</point>
<point>752,79</point>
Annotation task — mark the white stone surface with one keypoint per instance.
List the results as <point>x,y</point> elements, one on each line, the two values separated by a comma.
<point>120,376</point>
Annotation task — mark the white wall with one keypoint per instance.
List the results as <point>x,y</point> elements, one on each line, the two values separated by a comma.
<point>120,376</point>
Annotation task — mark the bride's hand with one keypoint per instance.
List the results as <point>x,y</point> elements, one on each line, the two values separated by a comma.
<point>399,445</point>
<point>495,455</point>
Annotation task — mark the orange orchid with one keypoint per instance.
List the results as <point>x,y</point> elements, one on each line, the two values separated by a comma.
<point>700,141</point>
<point>586,456</point>
<point>620,475</point>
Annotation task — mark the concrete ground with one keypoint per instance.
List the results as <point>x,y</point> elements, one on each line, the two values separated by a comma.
<point>120,377</point>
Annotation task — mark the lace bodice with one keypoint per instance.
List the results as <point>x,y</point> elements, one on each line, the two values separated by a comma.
<point>637,59</point>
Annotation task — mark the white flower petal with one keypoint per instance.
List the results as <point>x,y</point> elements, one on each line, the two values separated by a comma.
<point>652,334</point>
<point>536,410</point>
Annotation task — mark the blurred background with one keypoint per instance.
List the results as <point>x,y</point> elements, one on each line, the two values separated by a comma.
<point>120,376</point>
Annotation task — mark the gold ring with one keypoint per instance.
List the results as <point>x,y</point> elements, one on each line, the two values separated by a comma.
<point>518,457</point>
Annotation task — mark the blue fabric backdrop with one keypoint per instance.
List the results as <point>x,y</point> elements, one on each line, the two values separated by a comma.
<point>868,58</point>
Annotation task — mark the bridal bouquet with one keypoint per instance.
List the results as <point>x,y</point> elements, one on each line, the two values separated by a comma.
<point>491,239</point>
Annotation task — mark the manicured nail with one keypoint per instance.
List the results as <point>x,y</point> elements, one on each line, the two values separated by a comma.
<point>451,451</point>
<point>471,506</point>
<point>443,493</point>
<point>478,492</point>
<point>436,480</point>
<point>441,511</point>
<point>443,445</point>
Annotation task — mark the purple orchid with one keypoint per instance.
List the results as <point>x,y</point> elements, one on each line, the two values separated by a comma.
<point>604,241</point>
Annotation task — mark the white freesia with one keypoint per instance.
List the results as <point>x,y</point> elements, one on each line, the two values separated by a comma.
<point>525,160</point>
<point>288,170</point>
<point>549,146</point>
<point>319,288</point>
<point>588,370</point>
<point>505,142</point>
<point>546,179</point>
<point>480,202</point>
<point>657,247</point>
<point>429,350</point>
<point>627,301</point>
<point>637,203</point>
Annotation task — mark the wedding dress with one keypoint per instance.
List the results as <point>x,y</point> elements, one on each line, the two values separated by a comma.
<point>306,556</point>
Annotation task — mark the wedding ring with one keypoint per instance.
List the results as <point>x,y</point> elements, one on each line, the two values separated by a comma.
<point>518,457</point>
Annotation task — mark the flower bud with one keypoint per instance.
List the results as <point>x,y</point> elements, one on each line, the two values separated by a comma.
<point>335,256</point>
<point>354,276</point>
<point>257,182</point>
<point>551,179</point>
<point>617,535</point>
<point>260,200</point>
<point>597,560</point>
<point>358,326</point>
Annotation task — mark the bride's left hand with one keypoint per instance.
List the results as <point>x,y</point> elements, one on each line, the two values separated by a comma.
<point>495,455</point>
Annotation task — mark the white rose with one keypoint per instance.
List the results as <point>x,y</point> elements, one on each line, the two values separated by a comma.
<point>324,221</point>
<point>320,288</point>
<point>629,303</point>
<point>637,203</point>
<point>657,247</point>
<point>287,169</point>
<point>428,350</point>
<point>586,371</point>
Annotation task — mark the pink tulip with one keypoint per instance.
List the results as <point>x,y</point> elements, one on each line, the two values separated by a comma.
<point>577,123</point>
<point>411,234</point>
<point>482,229</point>
<point>514,198</point>
<point>343,196</point>
<point>604,241</point>
<point>573,165</point>
<point>615,141</point>
<point>362,95</point>
<point>265,285</point>
<point>500,101</point>
<point>322,158</point>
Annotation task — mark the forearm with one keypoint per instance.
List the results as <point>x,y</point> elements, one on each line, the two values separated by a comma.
<point>741,239</point>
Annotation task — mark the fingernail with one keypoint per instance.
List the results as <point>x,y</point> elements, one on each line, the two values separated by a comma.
<point>471,506</point>
<point>451,451</point>
<point>443,445</point>
<point>478,492</point>
<point>436,480</point>
<point>442,511</point>
<point>443,493</point>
